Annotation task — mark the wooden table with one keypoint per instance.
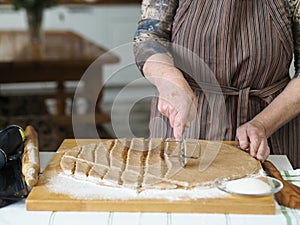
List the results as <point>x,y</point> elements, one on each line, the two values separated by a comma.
<point>62,56</point>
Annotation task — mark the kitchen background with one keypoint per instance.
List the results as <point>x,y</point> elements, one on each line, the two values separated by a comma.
<point>111,26</point>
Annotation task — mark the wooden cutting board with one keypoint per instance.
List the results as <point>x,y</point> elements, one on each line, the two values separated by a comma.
<point>40,198</point>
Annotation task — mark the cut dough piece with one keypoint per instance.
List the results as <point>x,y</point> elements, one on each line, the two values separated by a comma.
<point>117,161</point>
<point>102,153</point>
<point>134,163</point>
<point>131,178</point>
<point>82,169</point>
<point>68,161</point>
<point>113,176</point>
<point>73,153</point>
<point>101,165</point>
<point>118,154</point>
<point>98,172</point>
<point>155,167</point>
<point>87,153</point>
<point>173,161</point>
<point>67,165</point>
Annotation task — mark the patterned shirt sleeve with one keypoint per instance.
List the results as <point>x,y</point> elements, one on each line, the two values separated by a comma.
<point>153,33</point>
<point>296,34</point>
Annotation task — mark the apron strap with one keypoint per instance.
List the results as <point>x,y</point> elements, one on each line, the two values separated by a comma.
<point>266,94</point>
<point>242,105</point>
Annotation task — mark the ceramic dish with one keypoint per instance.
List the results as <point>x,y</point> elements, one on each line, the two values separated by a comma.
<point>249,186</point>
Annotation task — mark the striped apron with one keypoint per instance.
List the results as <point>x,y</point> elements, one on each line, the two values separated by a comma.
<point>235,54</point>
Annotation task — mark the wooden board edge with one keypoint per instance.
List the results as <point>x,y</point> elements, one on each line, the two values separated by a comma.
<point>266,207</point>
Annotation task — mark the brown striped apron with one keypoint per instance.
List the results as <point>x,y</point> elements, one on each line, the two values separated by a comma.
<point>248,47</point>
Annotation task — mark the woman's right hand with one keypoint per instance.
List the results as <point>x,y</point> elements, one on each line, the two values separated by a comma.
<point>176,99</point>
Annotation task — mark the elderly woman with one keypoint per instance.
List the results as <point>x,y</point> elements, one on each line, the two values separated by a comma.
<point>221,69</point>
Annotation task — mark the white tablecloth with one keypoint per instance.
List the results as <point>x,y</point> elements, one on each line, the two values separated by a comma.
<point>16,214</point>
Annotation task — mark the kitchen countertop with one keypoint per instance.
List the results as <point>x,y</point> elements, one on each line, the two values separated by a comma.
<point>17,214</point>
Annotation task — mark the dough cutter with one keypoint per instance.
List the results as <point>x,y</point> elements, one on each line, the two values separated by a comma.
<point>183,155</point>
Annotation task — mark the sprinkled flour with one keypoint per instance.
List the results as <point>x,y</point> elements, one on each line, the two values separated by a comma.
<point>85,190</point>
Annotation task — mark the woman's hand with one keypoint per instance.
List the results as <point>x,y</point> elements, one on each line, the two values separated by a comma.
<point>178,103</point>
<point>252,137</point>
<point>176,99</point>
<point>283,108</point>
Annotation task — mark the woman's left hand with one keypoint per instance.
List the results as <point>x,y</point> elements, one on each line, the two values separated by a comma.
<point>283,108</point>
<point>252,136</point>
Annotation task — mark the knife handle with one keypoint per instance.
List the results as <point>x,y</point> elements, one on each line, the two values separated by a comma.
<point>290,194</point>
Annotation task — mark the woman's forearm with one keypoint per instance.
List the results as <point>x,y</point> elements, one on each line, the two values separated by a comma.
<point>282,109</point>
<point>158,66</point>
<point>176,98</point>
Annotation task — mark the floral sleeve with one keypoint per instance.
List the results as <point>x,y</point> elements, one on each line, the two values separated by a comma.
<point>296,34</point>
<point>154,29</point>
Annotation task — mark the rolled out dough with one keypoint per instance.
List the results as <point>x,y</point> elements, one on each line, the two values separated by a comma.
<point>144,163</point>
